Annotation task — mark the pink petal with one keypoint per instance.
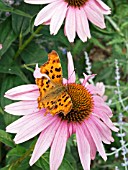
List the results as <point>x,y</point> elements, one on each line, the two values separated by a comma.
<point>33,127</point>
<point>44,141</point>
<point>22,108</point>
<point>106,120</point>
<point>98,8</point>
<point>82,25</point>
<point>101,87</point>
<point>102,106</point>
<point>87,77</point>
<point>95,17</point>
<point>70,24</point>
<point>39,1</point>
<point>58,146</point>
<point>90,141</point>
<point>71,72</point>
<point>103,5</point>
<point>104,130</point>
<point>22,89</point>
<point>38,74</point>
<point>83,147</point>
<point>93,89</point>
<point>65,81</point>
<point>24,96</point>
<point>96,137</point>
<point>18,124</point>
<point>58,18</point>
<point>46,13</point>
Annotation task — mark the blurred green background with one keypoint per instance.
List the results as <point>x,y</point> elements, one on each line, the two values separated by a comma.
<point>25,45</point>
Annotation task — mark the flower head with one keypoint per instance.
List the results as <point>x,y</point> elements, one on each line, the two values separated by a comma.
<point>76,14</point>
<point>89,119</point>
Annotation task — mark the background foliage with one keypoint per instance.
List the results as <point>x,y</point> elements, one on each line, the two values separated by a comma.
<point>25,45</point>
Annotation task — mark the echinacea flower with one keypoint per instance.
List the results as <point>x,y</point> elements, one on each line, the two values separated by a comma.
<point>89,119</point>
<point>76,14</point>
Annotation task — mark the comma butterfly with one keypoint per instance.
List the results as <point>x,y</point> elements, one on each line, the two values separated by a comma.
<point>53,94</point>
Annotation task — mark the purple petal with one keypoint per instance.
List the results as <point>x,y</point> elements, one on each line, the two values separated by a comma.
<point>95,17</point>
<point>90,141</point>
<point>70,24</point>
<point>39,1</point>
<point>22,108</point>
<point>44,141</point>
<point>104,130</point>
<point>83,147</point>
<point>96,137</point>
<point>23,92</point>
<point>58,146</point>
<point>46,13</point>
<point>33,127</point>
<point>58,18</point>
<point>71,72</point>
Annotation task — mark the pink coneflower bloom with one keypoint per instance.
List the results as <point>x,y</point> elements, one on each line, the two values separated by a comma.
<point>89,119</point>
<point>76,14</point>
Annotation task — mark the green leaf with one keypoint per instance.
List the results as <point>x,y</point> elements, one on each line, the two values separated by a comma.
<point>20,25</point>
<point>5,8</point>
<point>33,54</point>
<point>68,163</point>
<point>6,138</point>
<point>13,69</point>
<point>7,36</point>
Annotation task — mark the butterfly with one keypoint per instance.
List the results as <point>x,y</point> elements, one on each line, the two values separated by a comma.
<point>53,94</point>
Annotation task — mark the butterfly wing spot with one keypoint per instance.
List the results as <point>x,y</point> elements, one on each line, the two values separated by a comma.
<point>44,85</point>
<point>52,67</point>
<point>63,104</point>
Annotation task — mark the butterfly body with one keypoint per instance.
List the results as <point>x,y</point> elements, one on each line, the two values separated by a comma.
<point>53,94</point>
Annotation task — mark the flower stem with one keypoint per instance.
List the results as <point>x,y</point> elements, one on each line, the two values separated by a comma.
<point>22,47</point>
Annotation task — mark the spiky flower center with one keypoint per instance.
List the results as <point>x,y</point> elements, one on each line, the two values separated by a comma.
<point>76,3</point>
<point>82,103</point>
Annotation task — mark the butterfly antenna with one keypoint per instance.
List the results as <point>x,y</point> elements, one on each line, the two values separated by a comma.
<point>71,75</point>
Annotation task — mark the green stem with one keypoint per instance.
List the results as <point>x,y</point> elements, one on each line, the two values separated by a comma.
<point>21,48</point>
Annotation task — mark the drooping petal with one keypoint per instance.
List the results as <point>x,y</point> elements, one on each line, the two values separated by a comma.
<point>22,108</point>
<point>39,1</point>
<point>106,119</point>
<point>58,146</point>
<point>102,106</point>
<point>96,137</point>
<point>95,17</point>
<point>70,24</point>
<point>93,148</point>
<point>58,18</point>
<point>33,127</point>
<point>46,13</point>
<point>104,131</point>
<point>44,141</point>
<point>71,71</point>
<point>23,92</point>
<point>83,147</point>
<point>95,5</point>
<point>103,6</point>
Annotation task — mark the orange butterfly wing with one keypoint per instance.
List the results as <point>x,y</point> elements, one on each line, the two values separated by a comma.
<point>53,95</point>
